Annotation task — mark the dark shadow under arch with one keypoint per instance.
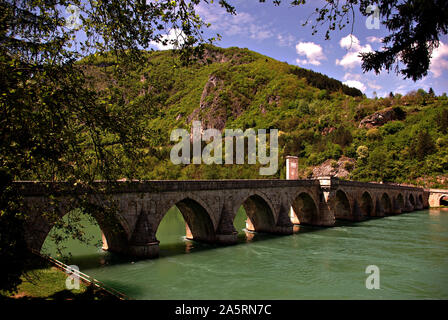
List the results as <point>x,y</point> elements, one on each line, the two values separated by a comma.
<point>259,214</point>
<point>198,222</point>
<point>305,209</point>
<point>366,205</point>
<point>420,199</point>
<point>113,232</point>
<point>443,201</point>
<point>386,203</point>
<point>399,202</point>
<point>342,206</point>
<point>411,199</point>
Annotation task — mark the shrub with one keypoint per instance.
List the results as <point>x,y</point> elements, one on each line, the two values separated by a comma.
<point>342,136</point>
<point>423,145</point>
<point>363,111</point>
<point>303,107</point>
<point>333,151</point>
<point>373,134</point>
<point>400,114</point>
<point>362,152</point>
<point>441,142</point>
<point>323,94</point>
<point>442,121</point>
<point>334,164</point>
<point>350,151</point>
<point>348,165</point>
<point>393,127</point>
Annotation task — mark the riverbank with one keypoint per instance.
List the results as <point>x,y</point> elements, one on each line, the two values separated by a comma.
<point>46,282</point>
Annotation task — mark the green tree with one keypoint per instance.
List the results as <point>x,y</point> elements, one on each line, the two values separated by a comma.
<point>55,125</point>
<point>423,145</point>
<point>342,136</point>
<point>14,257</point>
<point>431,92</point>
<point>442,121</point>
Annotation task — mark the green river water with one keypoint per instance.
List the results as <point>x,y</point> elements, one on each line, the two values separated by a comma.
<point>410,250</point>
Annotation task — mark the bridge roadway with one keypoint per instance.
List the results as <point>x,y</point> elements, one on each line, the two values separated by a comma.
<point>129,213</point>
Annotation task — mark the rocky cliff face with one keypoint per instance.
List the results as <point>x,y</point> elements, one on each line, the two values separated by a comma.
<point>216,56</point>
<point>381,117</point>
<point>330,167</point>
<point>212,112</point>
<point>217,104</point>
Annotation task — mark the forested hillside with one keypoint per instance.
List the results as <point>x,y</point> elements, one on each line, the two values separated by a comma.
<point>395,139</point>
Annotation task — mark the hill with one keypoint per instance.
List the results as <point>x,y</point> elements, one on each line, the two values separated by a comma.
<point>395,139</point>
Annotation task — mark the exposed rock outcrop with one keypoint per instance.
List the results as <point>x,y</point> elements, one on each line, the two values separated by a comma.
<point>327,130</point>
<point>214,56</point>
<point>381,117</point>
<point>330,167</point>
<point>211,112</point>
<point>217,104</point>
<point>217,56</point>
<point>274,100</point>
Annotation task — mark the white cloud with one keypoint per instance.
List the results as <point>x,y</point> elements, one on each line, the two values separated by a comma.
<point>355,84</point>
<point>401,89</point>
<point>438,61</point>
<point>352,59</point>
<point>352,76</point>
<point>374,86</point>
<point>373,39</point>
<point>285,40</point>
<point>357,80</point>
<point>259,32</point>
<point>313,53</point>
<point>174,39</point>
<point>350,42</point>
<point>242,23</point>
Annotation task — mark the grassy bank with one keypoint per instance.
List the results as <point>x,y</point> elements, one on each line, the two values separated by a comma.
<point>48,283</point>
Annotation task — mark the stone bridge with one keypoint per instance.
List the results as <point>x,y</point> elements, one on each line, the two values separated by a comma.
<point>210,206</point>
<point>438,197</point>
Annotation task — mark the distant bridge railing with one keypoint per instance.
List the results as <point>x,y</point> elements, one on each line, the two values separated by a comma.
<point>31,188</point>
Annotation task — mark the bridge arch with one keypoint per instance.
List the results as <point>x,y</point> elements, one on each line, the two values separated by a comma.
<point>420,200</point>
<point>259,211</point>
<point>386,203</point>
<point>341,205</point>
<point>198,222</point>
<point>366,204</point>
<point>305,209</point>
<point>443,200</point>
<point>114,228</point>
<point>400,202</point>
<point>412,200</point>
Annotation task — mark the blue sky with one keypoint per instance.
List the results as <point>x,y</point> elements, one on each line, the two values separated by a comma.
<point>278,33</point>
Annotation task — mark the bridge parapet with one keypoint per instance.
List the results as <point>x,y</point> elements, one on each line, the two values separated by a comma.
<point>335,182</point>
<point>30,188</point>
